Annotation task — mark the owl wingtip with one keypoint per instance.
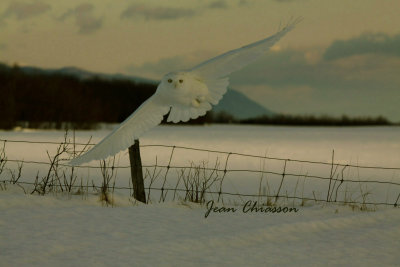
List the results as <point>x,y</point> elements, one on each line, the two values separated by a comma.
<point>75,162</point>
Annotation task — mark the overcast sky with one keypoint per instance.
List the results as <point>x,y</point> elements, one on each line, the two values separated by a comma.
<point>344,58</point>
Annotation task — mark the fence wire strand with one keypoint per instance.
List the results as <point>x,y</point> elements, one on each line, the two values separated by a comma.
<point>212,151</point>
<point>223,170</point>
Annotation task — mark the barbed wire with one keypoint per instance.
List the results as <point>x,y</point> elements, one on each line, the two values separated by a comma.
<point>333,178</point>
<point>227,193</point>
<point>212,169</point>
<point>213,151</point>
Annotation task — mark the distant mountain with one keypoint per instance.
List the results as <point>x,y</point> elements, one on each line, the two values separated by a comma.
<point>83,74</point>
<point>240,106</point>
<point>233,102</point>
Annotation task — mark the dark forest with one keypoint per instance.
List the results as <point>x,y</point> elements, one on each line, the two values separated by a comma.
<point>54,100</point>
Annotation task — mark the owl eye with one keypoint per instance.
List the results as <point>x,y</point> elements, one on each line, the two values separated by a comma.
<point>181,81</point>
<point>170,80</point>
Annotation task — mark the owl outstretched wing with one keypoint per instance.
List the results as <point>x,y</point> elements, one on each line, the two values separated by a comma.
<point>148,115</point>
<point>223,65</point>
<point>213,73</point>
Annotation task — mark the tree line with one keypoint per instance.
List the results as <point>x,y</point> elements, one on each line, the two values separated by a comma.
<point>40,100</point>
<point>56,100</point>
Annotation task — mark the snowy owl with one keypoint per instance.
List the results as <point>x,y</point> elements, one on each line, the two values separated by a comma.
<point>184,94</point>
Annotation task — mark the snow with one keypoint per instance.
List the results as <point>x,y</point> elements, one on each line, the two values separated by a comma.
<point>370,146</point>
<point>78,230</point>
<point>53,231</point>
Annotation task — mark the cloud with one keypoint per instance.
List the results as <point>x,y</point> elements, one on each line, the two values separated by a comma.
<point>156,69</point>
<point>302,81</point>
<point>288,81</point>
<point>171,13</point>
<point>244,3</point>
<point>355,78</point>
<point>218,4</point>
<point>282,68</point>
<point>157,13</point>
<point>285,1</point>
<point>368,43</point>
<point>84,18</point>
<point>289,67</point>
<point>22,10</point>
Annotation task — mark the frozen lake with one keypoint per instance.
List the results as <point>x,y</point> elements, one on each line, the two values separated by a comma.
<point>359,146</point>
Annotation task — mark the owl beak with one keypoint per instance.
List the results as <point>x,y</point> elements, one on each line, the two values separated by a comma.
<point>176,85</point>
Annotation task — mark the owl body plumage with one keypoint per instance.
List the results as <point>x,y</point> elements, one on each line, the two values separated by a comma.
<point>185,95</point>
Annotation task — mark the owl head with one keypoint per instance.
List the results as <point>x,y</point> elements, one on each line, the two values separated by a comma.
<point>175,80</point>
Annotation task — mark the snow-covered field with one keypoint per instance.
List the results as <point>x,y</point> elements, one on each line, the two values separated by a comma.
<point>77,230</point>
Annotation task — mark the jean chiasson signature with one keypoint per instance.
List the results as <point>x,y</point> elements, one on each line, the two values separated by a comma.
<point>248,207</point>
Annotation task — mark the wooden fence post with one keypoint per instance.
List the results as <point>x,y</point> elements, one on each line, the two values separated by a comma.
<point>136,172</point>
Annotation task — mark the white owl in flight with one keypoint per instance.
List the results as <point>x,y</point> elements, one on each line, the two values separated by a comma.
<point>184,94</point>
